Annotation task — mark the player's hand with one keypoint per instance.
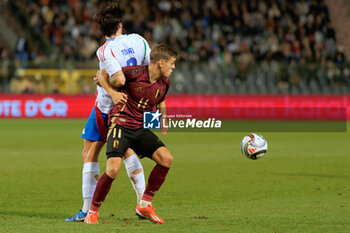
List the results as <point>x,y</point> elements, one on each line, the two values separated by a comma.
<point>119,98</point>
<point>96,81</point>
<point>164,131</point>
<point>96,78</point>
<point>164,128</point>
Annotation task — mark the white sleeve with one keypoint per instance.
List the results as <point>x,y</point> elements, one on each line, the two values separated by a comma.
<point>108,61</point>
<point>100,65</point>
<point>146,59</point>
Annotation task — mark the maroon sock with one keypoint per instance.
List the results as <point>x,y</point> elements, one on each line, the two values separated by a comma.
<point>155,181</point>
<point>102,189</point>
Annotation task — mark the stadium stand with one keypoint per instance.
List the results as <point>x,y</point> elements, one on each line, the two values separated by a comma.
<point>226,46</point>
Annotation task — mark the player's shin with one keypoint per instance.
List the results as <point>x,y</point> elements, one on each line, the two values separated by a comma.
<point>136,175</point>
<point>104,183</point>
<point>91,173</point>
<point>102,189</point>
<point>155,181</point>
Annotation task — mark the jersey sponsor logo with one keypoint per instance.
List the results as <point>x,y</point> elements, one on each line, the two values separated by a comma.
<point>151,120</point>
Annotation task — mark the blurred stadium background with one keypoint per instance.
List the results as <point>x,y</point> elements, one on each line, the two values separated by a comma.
<point>226,46</point>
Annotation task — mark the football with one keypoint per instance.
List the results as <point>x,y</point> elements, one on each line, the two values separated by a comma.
<point>254,146</point>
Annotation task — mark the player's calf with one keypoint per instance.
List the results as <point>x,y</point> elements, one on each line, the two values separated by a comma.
<point>162,156</point>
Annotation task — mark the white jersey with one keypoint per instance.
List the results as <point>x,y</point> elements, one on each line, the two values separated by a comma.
<point>124,50</point>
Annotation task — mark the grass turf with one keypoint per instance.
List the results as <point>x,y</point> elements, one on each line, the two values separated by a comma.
<point>302,185</point>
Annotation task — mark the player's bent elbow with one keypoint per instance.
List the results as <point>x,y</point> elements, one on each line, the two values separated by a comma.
<point>121,82</point>
<point>117,80</point>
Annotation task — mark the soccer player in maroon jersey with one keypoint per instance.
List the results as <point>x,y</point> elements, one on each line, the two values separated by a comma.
<point>118,50</point>
<point>145,88</point>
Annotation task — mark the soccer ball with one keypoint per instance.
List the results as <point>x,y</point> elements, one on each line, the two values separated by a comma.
<point>254,146</point>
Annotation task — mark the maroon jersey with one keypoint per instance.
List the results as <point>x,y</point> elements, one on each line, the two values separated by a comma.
<point>142,96</point>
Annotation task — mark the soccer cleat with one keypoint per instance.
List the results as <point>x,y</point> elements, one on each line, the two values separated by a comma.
<point>139,217</point>
<point>91,218</point>
<point>148,212</point>
<point>79,217</point>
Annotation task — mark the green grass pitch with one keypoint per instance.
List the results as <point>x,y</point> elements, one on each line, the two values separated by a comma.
<point>302,185</point>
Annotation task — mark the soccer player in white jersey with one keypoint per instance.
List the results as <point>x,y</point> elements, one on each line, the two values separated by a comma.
<point>127,50</point>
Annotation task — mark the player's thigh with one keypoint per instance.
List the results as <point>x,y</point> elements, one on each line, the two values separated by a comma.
<point>163,157</point>
<point>92,150</point>
<point>118,141</point>
<point>146,143</point>
<point>129,152</point>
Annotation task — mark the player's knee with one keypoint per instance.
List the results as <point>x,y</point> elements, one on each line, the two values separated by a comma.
<point>167,160</point>
<point>112,172</point>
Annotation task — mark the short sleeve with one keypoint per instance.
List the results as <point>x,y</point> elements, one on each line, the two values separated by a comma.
<point>107,60</point>
<point>146,50</point>
<point>146,60</point>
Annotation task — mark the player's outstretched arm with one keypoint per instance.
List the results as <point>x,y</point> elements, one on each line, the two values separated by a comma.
<point>164,121</point>
<point>116,80</point>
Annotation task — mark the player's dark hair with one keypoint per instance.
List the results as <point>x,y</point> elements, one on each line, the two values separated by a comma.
<point>162,51</point>
<point>108,17</point>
